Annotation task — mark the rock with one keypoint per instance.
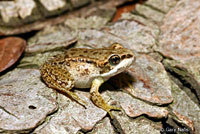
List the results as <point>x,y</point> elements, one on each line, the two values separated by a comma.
<point>157,94</point>
<point>25,101</point>
<point>148,81</point>
<point>179,40</point>
<point>72,117</point>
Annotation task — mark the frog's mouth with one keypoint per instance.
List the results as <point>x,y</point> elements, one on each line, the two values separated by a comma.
<point>123,65</point>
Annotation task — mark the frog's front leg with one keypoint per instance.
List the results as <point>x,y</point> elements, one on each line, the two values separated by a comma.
<point>59,78</point>
<point>97,99</point>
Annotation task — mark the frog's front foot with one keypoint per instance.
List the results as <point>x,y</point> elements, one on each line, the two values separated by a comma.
<point>97,99</point>
<point>99,102</point>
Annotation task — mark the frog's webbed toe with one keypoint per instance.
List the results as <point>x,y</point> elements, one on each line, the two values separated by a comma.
<point>108,109</point>
<point>113,108</point>
<point>59,78</point>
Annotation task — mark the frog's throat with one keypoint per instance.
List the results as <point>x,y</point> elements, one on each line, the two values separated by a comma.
<point>119,68</point>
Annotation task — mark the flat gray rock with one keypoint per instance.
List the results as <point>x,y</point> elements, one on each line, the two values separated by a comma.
<point>150,13</point>
<point>72,117</point>
<point>159,36</point>
<point>25,101</point>
<point>134,107</point>
<point>51,38</point>
<point>103,127</point>
<point>27,15</point>
<point>137,36</point>
<point>136,126</point>
<point>184,110</point>
<point>147,79</point>
<point>179,40</point>
<point>161,5</point>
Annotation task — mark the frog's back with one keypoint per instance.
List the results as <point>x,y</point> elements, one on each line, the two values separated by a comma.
<point>84,65</point>
<point>100,54</point>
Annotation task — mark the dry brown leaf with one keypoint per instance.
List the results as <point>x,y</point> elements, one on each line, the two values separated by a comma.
<point>11,48</point>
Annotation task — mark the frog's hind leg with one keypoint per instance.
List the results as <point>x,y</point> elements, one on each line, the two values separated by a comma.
<point>59,78</point>
<point>98,100</point>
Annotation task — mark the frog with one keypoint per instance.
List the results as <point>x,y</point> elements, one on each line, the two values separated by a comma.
<point>87,68</point>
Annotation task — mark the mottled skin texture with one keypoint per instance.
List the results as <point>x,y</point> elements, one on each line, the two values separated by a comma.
<point>86,68</point>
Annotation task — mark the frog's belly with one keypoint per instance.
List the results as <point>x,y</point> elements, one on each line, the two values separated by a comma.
<point>83,74</point>
<point>83,82</point>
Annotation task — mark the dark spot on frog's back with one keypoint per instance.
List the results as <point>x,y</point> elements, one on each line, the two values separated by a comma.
<point>72,53</point>
<point>85,51</point>
<point>94,53</point>
<point>73,49</point>
<point>81,60</point>
<point>89,61</point>
<point>105,63</point>
<point>60,62</point>
<point>66,56</point>
<point>74,60</point>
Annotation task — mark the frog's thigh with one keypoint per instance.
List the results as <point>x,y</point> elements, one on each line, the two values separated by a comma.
<point>97,99</point>
<point>59,78</point>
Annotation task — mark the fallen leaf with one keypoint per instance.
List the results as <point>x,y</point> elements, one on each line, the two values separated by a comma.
<point>11,48</point>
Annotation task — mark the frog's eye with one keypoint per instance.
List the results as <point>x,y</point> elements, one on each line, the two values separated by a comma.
<point>114,60</point>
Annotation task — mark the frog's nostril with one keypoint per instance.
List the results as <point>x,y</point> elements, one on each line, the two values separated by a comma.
<point>129,56</point>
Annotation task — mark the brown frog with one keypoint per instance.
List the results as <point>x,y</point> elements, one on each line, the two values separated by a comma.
<point>87,68</point>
